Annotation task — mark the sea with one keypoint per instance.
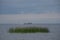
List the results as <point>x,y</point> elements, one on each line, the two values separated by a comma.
<point>54,32</point>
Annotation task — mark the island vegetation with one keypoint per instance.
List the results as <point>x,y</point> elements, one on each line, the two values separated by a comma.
<point>28,30</point>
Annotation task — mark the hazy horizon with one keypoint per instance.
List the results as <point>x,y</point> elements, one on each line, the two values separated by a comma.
<point>34,11</point>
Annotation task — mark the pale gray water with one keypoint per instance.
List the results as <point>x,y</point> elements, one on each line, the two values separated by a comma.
<point>54,33</point>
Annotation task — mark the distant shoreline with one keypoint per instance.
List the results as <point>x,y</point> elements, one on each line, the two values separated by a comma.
<point>32,24</point>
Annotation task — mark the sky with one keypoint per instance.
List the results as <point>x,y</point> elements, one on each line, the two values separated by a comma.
<point>24,11</point>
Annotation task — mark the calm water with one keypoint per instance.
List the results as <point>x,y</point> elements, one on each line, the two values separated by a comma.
<point>54,33</point>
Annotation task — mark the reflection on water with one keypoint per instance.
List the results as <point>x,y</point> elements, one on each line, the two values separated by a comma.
<point>52,35</point>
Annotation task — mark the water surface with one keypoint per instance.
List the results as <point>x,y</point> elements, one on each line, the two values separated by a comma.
<point>54,33</point>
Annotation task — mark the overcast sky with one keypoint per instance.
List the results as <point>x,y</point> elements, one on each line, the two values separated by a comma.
<point>35,11</point>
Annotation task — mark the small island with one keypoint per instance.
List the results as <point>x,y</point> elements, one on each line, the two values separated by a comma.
<point>28,30</point>
<point>27,23</point>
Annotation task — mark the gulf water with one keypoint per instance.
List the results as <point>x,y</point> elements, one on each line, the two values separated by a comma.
<point>54,33</point>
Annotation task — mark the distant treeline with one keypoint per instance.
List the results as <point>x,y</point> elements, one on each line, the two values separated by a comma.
<point>28,30</point>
